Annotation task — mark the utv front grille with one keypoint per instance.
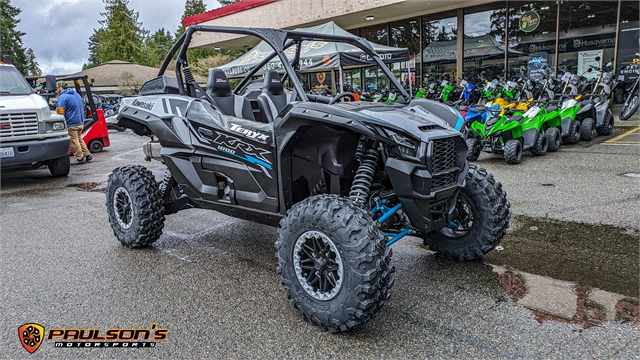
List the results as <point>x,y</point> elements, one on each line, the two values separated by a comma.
<point>444,155</point>
<point>18,124</point>
<point>444,170</point>
<point>444,179</point>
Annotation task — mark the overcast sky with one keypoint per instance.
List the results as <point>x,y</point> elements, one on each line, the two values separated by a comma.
<point>58,30</point>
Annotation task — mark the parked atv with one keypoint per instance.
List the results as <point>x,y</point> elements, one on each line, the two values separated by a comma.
<point>502,133</point>
<point>342,181</point>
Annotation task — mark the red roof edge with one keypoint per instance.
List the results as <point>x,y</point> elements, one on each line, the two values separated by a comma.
<point>240,6</point>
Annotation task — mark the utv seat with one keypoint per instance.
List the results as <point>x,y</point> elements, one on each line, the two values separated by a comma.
<point>228,103</point>
<point>273,98</point>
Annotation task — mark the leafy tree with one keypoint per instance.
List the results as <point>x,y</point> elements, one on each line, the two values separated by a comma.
<point>129,84</point>
<point>11,40</point>
<point>157,46</point>
<point>120,36</point>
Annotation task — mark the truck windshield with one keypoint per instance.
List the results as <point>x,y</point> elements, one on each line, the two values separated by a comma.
<point>12,82</point>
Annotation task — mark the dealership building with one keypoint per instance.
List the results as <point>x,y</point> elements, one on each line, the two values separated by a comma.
<point>451,39</point>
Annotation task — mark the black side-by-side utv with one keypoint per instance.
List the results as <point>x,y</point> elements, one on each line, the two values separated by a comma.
<point>342,180</point>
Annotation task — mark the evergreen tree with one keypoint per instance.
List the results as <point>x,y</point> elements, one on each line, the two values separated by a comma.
<point>11,40</point>
<point>191,7</point>
<point>33,69</point>
<point>94,49</point>
<point>194,7</point>
<point>120,36</point>
<point>227,2</point>
<point>157,46</point>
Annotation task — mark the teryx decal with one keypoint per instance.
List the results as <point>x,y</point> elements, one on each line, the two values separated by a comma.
<point>232,145</point>
<point>250,133</point>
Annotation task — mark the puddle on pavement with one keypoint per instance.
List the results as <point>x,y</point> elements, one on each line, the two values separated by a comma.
<point>630,174</point>
<point>570,272</point>
<point>100,186</point>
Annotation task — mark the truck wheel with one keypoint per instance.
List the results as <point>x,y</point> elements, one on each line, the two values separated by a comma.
<point>607,127</point>
<point>333,262</point>
<point>473,149</point>
<point>60,166</point>
<point>483,219</point>
<point>513,151</point>
<point>586,129</point>
<point>574,133</point>
<point>541,146</point>
<point>95,146</point>
<point>553,135</point>
<point>134,205</point>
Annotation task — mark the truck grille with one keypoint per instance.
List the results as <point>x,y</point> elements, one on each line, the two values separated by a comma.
<point>443,166</point>
<point>18,124</point>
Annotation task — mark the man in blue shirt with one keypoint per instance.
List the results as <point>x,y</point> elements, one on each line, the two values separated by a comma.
<point>73,107</point>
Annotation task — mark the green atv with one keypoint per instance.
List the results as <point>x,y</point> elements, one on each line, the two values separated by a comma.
<point>572,114</point>
<point>537,130</point>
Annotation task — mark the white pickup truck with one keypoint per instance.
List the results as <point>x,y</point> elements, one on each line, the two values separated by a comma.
<point>31,135</point>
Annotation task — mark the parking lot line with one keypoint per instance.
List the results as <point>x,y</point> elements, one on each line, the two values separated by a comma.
<point>617,140</point>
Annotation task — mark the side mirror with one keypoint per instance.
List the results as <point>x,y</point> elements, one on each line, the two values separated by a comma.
<point>590,69</point>
<point>51,83</point>
<point>565,61</point>
<point>597,58</point>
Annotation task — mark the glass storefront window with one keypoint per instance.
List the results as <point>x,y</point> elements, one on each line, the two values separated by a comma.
<point>629,39</point>
<point>587,31</point>
<point>483,42</point>
<point>351,80</point>
<point>355,32</point>
<point>376,33</point>
<point>406,34</point>
<point>439,35</point>
<point>532,48</point>
<point>375,79</point>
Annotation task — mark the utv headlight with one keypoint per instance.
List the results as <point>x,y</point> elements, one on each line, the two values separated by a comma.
<point>406,145</point>
<point>58,125</point>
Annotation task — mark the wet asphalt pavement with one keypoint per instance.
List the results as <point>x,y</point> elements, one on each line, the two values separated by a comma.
<point>564,283</point>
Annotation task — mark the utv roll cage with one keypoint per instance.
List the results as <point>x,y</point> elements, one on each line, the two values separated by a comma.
<point>278,40</point>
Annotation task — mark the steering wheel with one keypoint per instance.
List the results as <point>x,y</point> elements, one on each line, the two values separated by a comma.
<point>340,96</point>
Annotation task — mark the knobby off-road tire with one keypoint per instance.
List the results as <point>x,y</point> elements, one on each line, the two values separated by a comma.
<point>513,151</point>
<point>630,106</point>
<point>541,146</point>
<point>553,135</point>
<point>574,135</point>
<point>333,262</point>
<point>607,127</point>
<point>134,205</point>
<point>473,149</point>
<point>586,129</point>
<point>483,219</point>
<point>60,166</point>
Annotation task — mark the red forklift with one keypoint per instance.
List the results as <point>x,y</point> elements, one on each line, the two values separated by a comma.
<point>95,133</point>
